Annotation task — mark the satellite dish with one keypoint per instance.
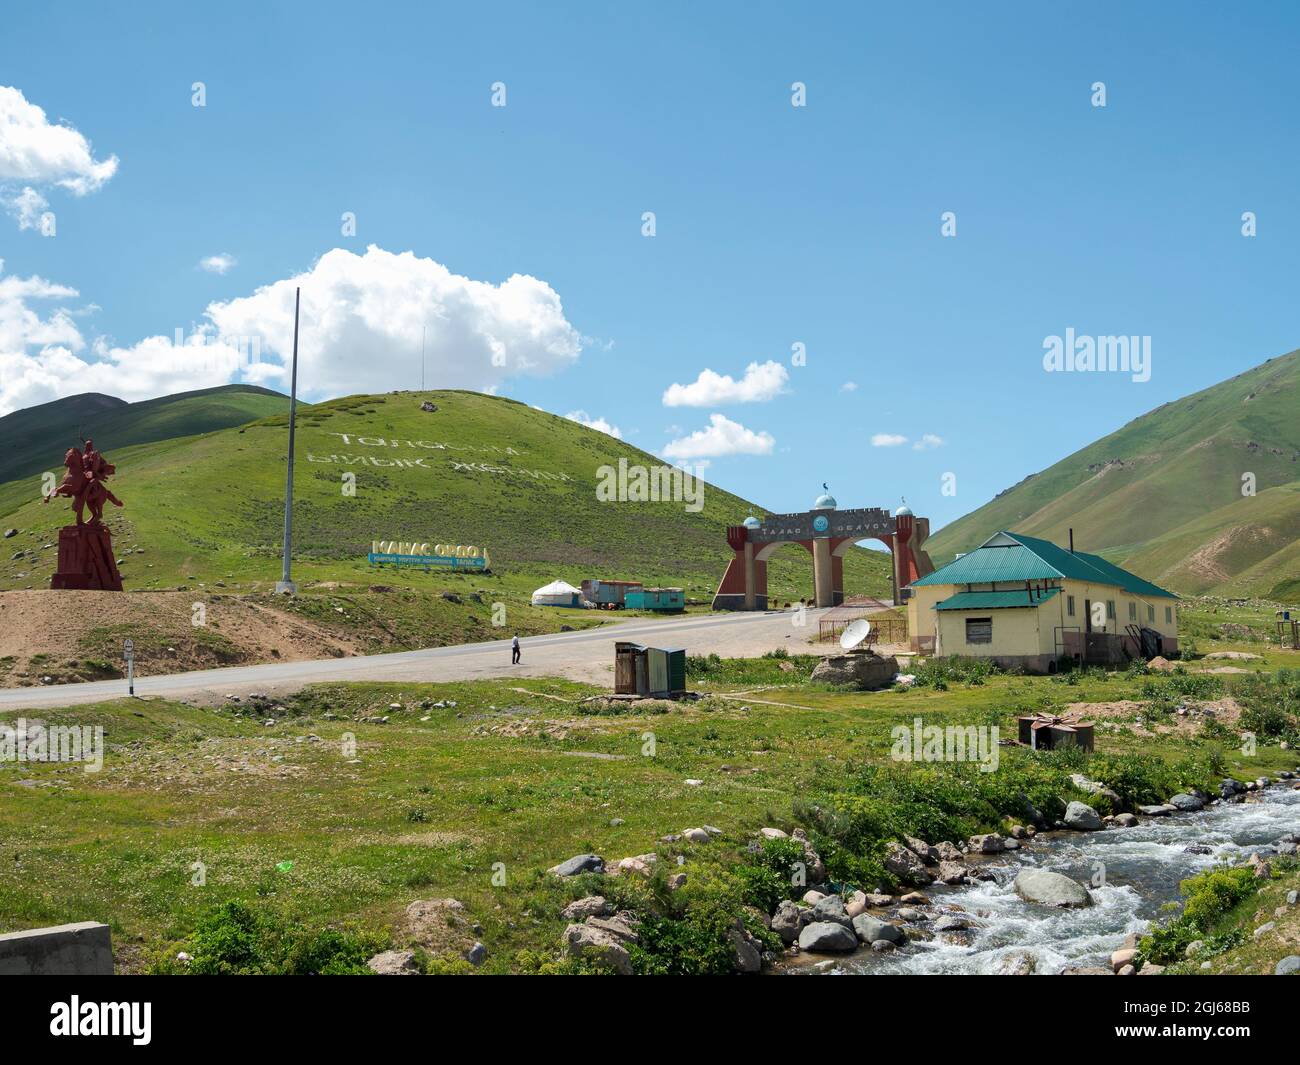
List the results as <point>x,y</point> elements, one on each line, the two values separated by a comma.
<point>854,633</point>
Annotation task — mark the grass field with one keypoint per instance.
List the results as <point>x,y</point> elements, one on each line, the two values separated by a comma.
<point>341,806</point>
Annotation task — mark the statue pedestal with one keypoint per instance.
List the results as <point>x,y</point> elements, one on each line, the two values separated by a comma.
<point>86,559</point>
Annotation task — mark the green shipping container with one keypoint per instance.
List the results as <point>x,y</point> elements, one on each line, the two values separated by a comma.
<point>666,599</point>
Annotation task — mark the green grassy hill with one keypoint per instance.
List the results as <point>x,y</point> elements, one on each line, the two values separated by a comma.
<point>480,470</point>
<point>34,440</point>
<point>1163,495</point>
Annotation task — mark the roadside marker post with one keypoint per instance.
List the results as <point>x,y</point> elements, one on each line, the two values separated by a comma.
<point>128,652</point>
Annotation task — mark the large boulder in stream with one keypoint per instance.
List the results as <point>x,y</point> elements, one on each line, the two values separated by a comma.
<point>1051,889</point>
<point>872,930</point>
<point>1082,817</point>
<point>826,937</point>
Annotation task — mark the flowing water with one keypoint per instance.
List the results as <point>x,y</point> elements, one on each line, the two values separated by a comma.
<point>1142,869</point>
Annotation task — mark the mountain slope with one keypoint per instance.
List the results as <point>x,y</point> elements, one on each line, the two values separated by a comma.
<point>1163,495</point>
<point>480,470</point>
<point>34,440</point>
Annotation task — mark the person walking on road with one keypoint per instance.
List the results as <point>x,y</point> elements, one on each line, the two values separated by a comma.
<point>514,650</point>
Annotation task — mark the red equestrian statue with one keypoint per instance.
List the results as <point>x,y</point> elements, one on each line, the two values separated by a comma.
<point>86,549</point>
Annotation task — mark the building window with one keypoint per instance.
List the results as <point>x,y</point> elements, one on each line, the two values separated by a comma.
<point>1132,610</point>
<point>1151,612</point>
<point>1169,615</point>
<point>979,630</point>
<point>1069,605</point>
<point>1110,609</point>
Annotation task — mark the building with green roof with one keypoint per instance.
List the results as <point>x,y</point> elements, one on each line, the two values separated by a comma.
<point>1028,603</point>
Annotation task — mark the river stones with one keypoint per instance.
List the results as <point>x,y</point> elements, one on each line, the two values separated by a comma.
<point>1082,817</point>
<point>832,909</point>
<point>905,865</point>
<point>947,852</point>
<point>1051,889</point>
<point>951,873</point>
<point>788,920</point>
<point>922,850</point>
<point>873,930</point>
<point>827,937</point>
<point>952,923</point>
<point>1017,963</point>
<point>1187,802</point>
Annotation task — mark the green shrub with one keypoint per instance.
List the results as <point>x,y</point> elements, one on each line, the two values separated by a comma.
<point>227,941</point>
<point>232,939</point>
<point>1210,897</point>
<point>1166,691</point>
<point>1270,704</point>
<point>768,877</point>
<point>691,931</point>
<point>938,673</point>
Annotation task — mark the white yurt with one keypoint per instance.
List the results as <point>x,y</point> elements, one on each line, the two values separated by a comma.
<point>557,593</point>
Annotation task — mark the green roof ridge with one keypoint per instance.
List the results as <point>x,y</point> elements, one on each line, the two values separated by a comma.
<point>1035,559</point>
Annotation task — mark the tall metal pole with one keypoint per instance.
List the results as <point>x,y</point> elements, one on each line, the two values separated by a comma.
<point>285,584</point>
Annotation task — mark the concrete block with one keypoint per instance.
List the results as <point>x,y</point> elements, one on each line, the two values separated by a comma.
<point>82,949</point>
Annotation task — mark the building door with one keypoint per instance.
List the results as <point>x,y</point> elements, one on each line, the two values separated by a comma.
<point>1087,615</point>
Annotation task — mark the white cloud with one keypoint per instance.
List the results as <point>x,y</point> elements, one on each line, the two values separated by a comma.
<point>599,424</point>
<point>887,440</point>
<point>44,355</point>
<point>849,386</point>
<point>722,437</point>
<point>39,154</point>
<point>221,263</point>
<point>362,317</point>
<point>26,207</point>
<point>928,442</point>
<point>760,383</point>
<point>360,332</point>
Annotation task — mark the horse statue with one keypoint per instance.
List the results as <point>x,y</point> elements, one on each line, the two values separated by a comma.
<point>83,483</point>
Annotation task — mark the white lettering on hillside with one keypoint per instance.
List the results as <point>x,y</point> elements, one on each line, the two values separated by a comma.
<point>428,445</point>
<point>424,464</point>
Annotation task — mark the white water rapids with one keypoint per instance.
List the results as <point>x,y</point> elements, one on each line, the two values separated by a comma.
<point>1142,866</point>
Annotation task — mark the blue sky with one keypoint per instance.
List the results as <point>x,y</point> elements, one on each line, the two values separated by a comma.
<point>774,224</point>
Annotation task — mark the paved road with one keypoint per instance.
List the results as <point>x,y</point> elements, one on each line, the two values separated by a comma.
<point>586,655</point>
